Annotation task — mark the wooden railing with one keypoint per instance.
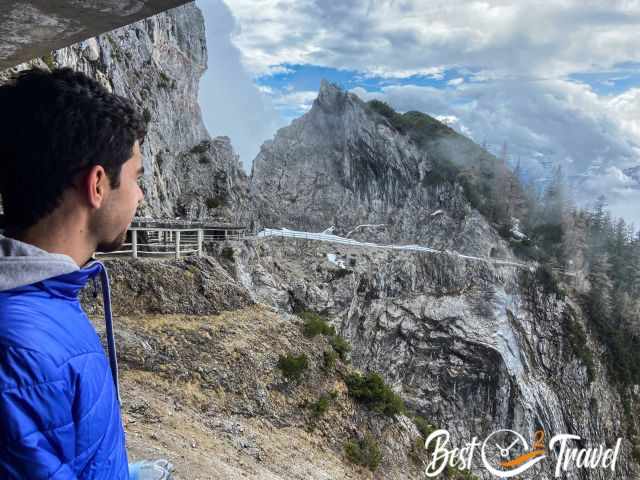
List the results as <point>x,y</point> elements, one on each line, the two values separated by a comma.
<point>166,241</point>
<point>178,242</point>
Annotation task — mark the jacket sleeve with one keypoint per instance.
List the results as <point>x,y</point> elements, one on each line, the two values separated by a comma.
<point>37,436</point>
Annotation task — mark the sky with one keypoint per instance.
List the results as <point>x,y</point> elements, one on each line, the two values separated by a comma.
<point>557,83</point>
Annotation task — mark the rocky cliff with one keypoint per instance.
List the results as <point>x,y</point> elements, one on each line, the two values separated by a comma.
<point>343,164</point>
<point>157,63</point>
<point>201,383</point>
<point>469,346</point>
<point>472,346</point>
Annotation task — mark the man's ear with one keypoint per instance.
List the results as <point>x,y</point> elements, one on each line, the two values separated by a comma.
<point>95,186</point>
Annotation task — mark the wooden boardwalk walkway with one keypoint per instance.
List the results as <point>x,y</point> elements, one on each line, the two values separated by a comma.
<point>174,238</point>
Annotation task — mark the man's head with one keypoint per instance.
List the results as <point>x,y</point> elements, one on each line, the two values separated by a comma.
<point>69,147</point>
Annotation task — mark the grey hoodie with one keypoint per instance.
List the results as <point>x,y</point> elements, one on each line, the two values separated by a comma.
<point>23,264</point>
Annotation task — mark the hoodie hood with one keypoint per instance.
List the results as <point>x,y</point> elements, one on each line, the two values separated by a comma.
<point>23,264</point>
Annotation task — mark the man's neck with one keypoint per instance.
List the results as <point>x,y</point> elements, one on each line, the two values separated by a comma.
<point>56,237</point>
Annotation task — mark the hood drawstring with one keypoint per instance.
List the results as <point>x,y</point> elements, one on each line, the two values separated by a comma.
<point>111,344</point>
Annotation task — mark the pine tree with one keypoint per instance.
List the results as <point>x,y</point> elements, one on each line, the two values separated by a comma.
<point>555,198</point>
<point>617,250</point>
<point>574,240</point>
<point>634,268</point>
<point>601,288</point>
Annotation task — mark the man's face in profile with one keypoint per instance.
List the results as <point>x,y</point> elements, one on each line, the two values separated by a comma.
<point>113,219</point>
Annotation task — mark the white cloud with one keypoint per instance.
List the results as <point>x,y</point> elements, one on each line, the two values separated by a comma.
<point>622,192</point>
<point>516,57</point>
<point>230,101</point>
<point>397,38</point>
<point>436,73</point>
<point>266,89</point>
<point>559,120</point>
<point>295,102</point>
<point>454,122</point>
<point>627,108</point>
<point>447,119</point>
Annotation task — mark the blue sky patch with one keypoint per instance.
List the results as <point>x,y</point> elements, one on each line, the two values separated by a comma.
<point>615,81</point>
<point>307,78</point>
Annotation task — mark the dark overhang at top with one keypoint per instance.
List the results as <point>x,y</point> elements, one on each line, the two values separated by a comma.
<point>33,28</point>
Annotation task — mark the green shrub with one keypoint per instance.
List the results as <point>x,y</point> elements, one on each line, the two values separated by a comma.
<point>292,366</point>
<point>549,281</point>
<point>525,249</point>
<point>116,52</point>
<point>146,113</point>
<point>365,452</point>
<point>443,171</point>
<point>49,61</point>
<point>544,277</point>
<point>227,252</point>
<point>329,360</point>
<point>212,202</point>
<point>341,346</point>
<point>320,406</point>
<point>452,473</point>
<point>424,427</point>
<point>636,453</point>
<point>371,390</point>
<point>578,341</point>
<point>340,273</point>
<point>165,82</point>
<point>382,108</point>
<point>417,453</point>
<point>202,147</point>
<point>314,324</point>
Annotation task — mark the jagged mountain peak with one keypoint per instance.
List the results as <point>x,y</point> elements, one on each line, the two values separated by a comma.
<point>346,163</point>
<point>330,94</point>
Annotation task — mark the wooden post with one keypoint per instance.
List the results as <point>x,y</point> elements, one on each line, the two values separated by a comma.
<point>134,243</point>
<point>177,243</point>
<point>200,238</point>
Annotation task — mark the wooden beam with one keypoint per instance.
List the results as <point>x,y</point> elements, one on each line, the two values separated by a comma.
<point>134,243</point>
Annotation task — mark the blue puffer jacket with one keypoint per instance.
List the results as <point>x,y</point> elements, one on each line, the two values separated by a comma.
<point>59,405</point>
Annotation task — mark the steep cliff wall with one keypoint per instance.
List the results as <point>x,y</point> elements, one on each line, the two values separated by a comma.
<point>157,63</point>
<point>471,347</point>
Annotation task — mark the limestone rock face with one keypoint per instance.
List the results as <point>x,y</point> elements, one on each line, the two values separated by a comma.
<point>473,348</point>
<point>157,63</point>
<point>342,165</point>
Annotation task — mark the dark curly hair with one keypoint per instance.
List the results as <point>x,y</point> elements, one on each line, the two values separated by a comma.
<point>52,126</point>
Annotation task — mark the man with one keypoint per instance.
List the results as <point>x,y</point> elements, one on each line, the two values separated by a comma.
<point>70,164</point>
